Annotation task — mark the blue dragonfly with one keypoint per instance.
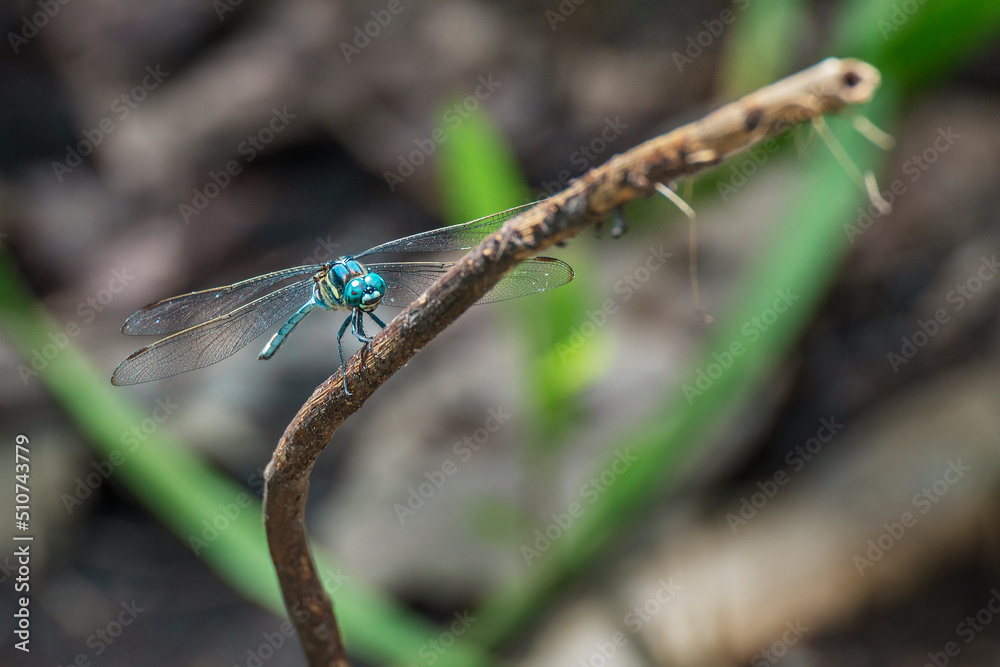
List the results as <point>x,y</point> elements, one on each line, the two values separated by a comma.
<point>210,325</point>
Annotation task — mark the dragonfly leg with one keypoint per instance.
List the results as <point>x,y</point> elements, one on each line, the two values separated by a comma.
<point>358,327</point>
<point>618,225</point>
<point>378,322</point>
<point>356,318</point>
<point>340,349</point>
<point>278,338</point>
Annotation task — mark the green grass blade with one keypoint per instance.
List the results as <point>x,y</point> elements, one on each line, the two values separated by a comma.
<point>914,42</point>
<point>753,57</point>
<point>479,175</point>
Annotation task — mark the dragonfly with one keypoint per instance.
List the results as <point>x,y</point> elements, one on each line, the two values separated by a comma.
<point>207,326</point>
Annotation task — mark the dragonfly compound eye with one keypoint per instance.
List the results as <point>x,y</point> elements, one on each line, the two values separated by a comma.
<point>374,289</point>
<point>354,292</point>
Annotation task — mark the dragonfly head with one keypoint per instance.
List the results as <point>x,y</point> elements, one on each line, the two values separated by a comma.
<point>364,292</point>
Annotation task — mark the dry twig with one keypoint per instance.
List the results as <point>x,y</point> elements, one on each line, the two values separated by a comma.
<point>823,88</point>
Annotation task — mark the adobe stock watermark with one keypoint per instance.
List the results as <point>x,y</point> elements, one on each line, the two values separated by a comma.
<point>223,7</point>
<point>131,440</point>
<point>899,15</point>
<point>746,167</point>
<point>796,459</point>
<point>325,250</point>
<point>270,643</point>
<point>102,638</point>
<point>453,117</point>
<point>635,619</point>
<point>956,300</point>
<point>86,311</point>
<point>625,288</point>
<point>751,161</point>
<point>274,641</point>
<point>585,156</point>
<point>924,501</point>
<point>31,25</point>
<point>752,330</point>
<point>464,450</point>
<point>779,649</point>
<point>696,44</point>
<point>362,38</point>
<point>250,148</point>
<point>432,650</point>
<point>225,516</point>
<point>8,568</point>
<point>563,11</point>
<point>967,630</point>
<point>914,168</point>
<point>120,108</point>
<point>590,491</point>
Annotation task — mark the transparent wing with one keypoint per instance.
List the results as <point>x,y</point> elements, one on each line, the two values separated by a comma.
<point>212,341</point>
<point>457,237</point>
<point>530,276</point>
<point>187,310</point>
<point>405,281</point>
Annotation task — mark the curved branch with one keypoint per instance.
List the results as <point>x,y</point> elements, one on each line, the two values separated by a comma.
<point>826,87</point>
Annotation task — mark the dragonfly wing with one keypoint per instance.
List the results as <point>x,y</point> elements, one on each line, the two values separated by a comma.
<point>405,281</point>
<point>187,310</point>
<point>214,340</point>
<point>537,274</point>
<point>457,237</point>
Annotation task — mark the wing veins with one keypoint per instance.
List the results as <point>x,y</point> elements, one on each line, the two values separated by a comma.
<point>406,281</point>
<point>212,341</point>
<point>456,237</point>
<point>182,312</point>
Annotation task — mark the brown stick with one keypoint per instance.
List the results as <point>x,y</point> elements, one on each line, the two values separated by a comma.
<point>826,87</point>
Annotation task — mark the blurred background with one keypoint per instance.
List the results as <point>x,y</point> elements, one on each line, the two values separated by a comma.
<point>591,476</point>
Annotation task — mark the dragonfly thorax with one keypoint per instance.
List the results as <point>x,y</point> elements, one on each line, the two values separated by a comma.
<point>347,283</point>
